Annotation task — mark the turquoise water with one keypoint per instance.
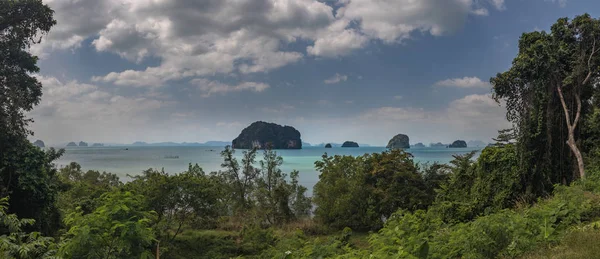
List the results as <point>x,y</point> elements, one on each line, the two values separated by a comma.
<point>133,161</point>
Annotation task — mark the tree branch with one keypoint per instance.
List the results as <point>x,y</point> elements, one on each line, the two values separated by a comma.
<point>589,63</point>
<point>564,105</point>
<point>577,115</point>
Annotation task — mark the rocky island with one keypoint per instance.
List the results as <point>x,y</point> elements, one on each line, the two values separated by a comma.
<point>458,144</point>
<point>97,145</point>
<point>419,145</point>
<point>72,144</point>
<point>328,145</point>
<point>83,144</point>
<point>399,141</point>
<point>437,145</point>
<point>350,144</point>
<point>261,134</point>
<point>39,143</point>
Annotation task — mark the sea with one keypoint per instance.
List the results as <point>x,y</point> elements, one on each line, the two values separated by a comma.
<point>126,161</point>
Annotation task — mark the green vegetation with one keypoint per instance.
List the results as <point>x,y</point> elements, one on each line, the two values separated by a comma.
<point>534,194</point>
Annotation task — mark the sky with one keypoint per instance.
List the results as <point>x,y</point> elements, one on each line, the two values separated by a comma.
<point>120,71</point>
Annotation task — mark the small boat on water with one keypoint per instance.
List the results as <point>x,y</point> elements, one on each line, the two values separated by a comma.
<point>171,157</point>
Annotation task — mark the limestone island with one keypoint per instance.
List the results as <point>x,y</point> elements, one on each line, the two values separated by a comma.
<point>399,141</point>
<point>438,145</point>
<point>328,145</point>
<point>350,144</point>
<point>72,144</point>
<point>418,145</point>
<point>261,134</point>
<point>39,143</point>
<point>458,144</point>
<point>97,145</point>
<point>82,144</point>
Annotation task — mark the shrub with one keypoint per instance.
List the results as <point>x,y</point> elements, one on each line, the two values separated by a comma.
<point>203,244</point>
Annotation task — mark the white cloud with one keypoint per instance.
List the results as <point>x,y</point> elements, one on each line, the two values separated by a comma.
<point>398,97</point>
<point>151,77</point>
<point>480,12</point>
<point>499,4</point>
<point>393,21</point>
<point>471,117</point>
<point>562,3</point>
<point>196,38</point>
<point>337,40</point>
<point>234,124</point>
<point>283,108</point>
<point>394,114</point>
<point>191,38</point>
<point>209,88</point>
<point>465,82</point>
<point>54,88</point>
<point>337,78</point>
<point>87,110</point>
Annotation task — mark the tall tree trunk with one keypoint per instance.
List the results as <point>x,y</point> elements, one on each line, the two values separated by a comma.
<point>571,130</point>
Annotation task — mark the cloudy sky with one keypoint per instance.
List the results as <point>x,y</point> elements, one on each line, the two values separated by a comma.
<point>198,70</point>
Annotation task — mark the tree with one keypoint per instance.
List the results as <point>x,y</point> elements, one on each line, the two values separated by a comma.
<point>17,244</point>
<point>33,185</point>
<point>553,70</point>
<point>475,188</point>
<point>239,180</point>
<point>361,192</point>
<point>26,173</point>
<point>21,23</point>
<point>277,199</point>
<point>271,189</point>
<point>119,228</point>
<point>180,200</point>
<point>301,205</point>
<point>79,189</point>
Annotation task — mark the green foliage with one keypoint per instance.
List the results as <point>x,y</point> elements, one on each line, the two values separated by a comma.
<point>298,245</point>
<point>118,228</point>
<point>359,192</point>
<point>256,239</point>
<point>207,244</point>
<point>15,243</point>
<point>564,62</point>
<point>29,177</point>
<point>262,195</point>
<point>26,173</point>
<point>577,244</point>
<point>477,188</point>
<point>79,189</point>
<point>188,199</point>
<point>279,201</point>
<point>239,179</point>
<point>21,24</point>
<point>506,233</point>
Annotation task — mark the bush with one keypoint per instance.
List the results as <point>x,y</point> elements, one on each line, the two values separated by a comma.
<point>506,233</point>
<point>203,244</point>
<point>361,192</point>
<point>256,239</point>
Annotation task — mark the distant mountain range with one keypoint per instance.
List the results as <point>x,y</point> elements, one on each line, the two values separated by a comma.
<point>159,144</point>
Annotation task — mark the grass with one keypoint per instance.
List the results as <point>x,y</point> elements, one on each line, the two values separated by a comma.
<point>580,244</point>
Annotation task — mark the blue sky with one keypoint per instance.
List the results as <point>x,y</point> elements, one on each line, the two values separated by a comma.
<point>363,70</point>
